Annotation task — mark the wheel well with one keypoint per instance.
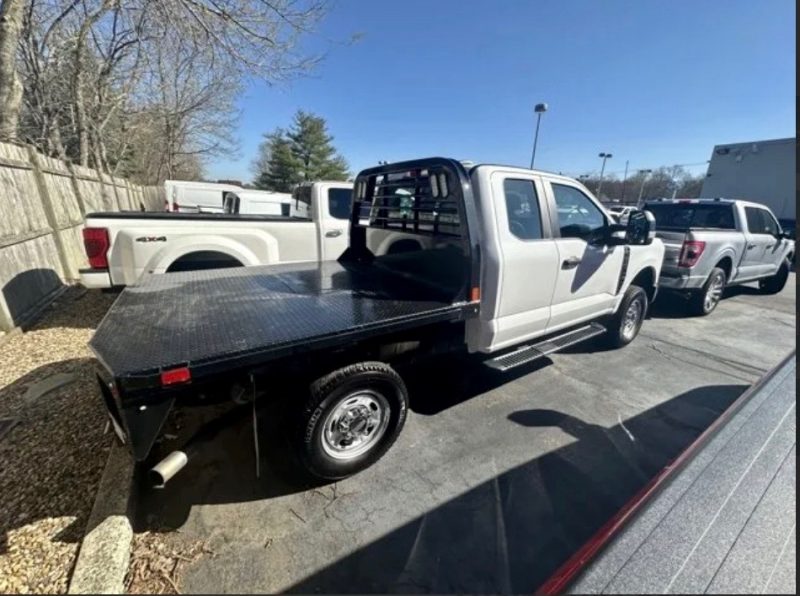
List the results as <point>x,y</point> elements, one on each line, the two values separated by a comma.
<point>203,259</point>
<point>726,264</point>
<point>646,279</point>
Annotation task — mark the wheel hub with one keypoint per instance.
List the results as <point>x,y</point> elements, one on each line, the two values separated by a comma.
<point>714,293</point>
<point>355,425</point>
<point>630,321</point>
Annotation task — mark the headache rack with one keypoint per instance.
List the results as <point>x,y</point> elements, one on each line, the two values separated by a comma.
<point>421,200</point>
<point>430,198</point>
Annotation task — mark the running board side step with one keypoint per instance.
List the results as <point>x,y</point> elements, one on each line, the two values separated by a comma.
<point>531,352</point>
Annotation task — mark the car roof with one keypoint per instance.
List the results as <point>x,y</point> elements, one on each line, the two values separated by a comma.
<point>707,201</point>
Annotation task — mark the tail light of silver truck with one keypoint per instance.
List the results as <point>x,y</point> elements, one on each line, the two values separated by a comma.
<point>691,251</point>
<point>96,243</point>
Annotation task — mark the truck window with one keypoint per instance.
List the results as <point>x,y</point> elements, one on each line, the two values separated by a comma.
<point>770,225</point>
<point>683,216</point>
<point>755,222</point>
<point>522,207</point>
<point>578,216</point>
<point>340,202</point>
<point>231,203</point>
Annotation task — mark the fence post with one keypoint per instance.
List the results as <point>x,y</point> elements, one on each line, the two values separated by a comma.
<point>77,188</point>
<point>50,214</point>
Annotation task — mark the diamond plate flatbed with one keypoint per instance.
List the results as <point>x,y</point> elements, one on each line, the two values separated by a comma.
<point>222,318</point>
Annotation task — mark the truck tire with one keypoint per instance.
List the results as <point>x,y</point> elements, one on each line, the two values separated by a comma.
<point>624,325</point>
<point>704,301</point>
<point>775,283</point>
<point>352,417</point>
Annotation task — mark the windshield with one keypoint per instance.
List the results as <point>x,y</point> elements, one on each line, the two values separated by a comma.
<point>683,216</point>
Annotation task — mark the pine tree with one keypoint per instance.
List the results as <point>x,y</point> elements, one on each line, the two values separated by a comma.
<point>280,169</point>
<point>304,153</point>
<point>312,147</point>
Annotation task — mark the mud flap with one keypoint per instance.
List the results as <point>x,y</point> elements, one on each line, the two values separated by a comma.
<point>143,424</point>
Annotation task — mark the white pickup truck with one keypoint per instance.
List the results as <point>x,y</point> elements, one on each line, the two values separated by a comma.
<point>505,263</point>
<point>121,247</point>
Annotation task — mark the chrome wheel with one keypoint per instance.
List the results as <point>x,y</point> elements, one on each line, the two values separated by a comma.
<point>632,319</point>
<point>714,292</point>
<point>355,425</point>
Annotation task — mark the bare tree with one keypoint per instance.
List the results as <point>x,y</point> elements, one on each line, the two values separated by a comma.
<point>103,78</point>
<point>11,12</point>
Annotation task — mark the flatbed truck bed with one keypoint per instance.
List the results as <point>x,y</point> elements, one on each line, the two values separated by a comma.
<point>176,320</point>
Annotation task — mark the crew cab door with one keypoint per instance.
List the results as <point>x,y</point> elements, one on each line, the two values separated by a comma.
<point>332,213</point>
<point>588,268</point>
<point>763,248</point>
<point>519,264</point>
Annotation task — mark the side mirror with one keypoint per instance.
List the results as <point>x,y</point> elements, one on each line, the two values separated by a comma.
<point>641,228</point>
<point>616,234</point>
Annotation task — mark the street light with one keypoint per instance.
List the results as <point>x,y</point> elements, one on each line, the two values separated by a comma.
<point>605,156</point>
<point>539,109</point>
<point>641,188</point>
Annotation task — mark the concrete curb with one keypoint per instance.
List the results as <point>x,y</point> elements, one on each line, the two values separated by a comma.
<point>105,551</point>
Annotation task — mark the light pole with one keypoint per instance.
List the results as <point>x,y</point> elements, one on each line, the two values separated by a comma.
<point>624,180</point>
<point>641,188</point>
<point>605,156</point>
<point>539,108</point>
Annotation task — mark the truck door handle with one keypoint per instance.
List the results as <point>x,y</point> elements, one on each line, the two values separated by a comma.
<point>333,234</point>
<point>770,246</point>
<point>571,263</point>
<point>751,246</point>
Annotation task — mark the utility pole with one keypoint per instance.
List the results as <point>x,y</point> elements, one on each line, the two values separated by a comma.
<point>540,109</point>
<point>604,156</point>
<point>624,179</point>
<point>641,188</point>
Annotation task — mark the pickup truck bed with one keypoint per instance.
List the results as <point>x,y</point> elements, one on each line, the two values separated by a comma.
<point>176,320</point>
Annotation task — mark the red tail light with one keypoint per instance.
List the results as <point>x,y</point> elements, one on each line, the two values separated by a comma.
<point>176,375</point>
<point>96,243</point>
<point>691,251</point>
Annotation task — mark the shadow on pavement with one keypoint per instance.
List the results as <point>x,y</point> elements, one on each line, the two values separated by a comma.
<point>507,534</point>
<point>224,472</point>
<point>510,533</point>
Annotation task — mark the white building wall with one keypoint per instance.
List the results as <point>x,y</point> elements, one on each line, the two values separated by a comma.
<point>760,171</point>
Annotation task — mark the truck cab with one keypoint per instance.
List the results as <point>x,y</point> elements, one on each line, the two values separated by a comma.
<point>551,257</point>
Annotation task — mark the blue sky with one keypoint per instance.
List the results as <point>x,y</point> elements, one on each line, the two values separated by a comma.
<point>654,82</point>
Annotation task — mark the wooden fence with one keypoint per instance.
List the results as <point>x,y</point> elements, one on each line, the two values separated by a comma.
<point>43,202</point>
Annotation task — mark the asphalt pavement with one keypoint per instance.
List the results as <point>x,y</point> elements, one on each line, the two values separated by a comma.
<point>496,478</point>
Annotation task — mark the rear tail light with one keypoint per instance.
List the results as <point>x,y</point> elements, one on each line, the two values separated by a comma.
<point>176,375</point>
<point>691,251</point>
<point>96,243</point>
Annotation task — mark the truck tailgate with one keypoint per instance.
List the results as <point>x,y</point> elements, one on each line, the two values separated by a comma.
<point>245,316</point>
<point>673,241</point>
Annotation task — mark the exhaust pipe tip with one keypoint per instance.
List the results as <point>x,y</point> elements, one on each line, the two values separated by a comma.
<point>164,470</point>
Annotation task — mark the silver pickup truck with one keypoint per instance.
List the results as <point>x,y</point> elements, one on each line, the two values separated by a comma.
<point>712,243</point>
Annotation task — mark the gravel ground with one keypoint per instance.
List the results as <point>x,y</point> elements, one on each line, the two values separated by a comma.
<point>52,459</point>
<point>157,562</point>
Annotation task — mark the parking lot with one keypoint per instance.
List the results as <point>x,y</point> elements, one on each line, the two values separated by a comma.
<point>495,480</point>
